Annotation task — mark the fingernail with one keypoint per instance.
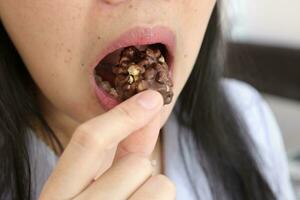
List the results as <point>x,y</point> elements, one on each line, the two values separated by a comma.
<point>149,99</point>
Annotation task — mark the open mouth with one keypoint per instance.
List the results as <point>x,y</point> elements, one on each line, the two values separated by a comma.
<point>112,85</point>
<point>105,76</point>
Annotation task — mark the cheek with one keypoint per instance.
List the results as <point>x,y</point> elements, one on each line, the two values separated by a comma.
<point>55,42</point>
<point>67,91</point>
<point>49,38</point>
<point>194,21</point>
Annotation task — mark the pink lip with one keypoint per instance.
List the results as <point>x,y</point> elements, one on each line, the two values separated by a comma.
<point>134,36</point>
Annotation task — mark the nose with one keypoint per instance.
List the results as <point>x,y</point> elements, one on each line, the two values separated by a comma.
<point>113,1</point>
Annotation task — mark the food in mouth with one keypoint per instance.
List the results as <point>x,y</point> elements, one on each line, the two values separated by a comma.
<point>137,69</point>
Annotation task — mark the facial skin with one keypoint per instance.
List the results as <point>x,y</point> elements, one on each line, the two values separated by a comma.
<point>58,40</point>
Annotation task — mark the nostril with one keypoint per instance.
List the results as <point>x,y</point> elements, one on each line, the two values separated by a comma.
<point>113,1</point>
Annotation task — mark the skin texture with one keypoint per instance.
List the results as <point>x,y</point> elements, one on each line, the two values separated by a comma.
<point>58,40</point>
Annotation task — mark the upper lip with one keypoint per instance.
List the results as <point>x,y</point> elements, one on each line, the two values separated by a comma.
<point>142,36</point>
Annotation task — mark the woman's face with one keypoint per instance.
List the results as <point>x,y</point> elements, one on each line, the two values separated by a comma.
<point>61,41</point>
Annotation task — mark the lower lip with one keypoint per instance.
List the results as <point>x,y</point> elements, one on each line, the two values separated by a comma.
<point>134,37</point>
<point>106,100</point>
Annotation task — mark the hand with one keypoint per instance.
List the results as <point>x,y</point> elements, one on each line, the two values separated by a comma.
<point>101,160</point>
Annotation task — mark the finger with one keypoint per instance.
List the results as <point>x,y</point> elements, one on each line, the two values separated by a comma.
<point>142,141</point>
<point>82,158</point>
<point>106,162</point>
<point>121,180</point>
<point>157,187</point>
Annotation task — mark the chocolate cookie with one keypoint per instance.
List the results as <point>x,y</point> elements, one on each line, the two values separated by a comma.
<point>141,70</point>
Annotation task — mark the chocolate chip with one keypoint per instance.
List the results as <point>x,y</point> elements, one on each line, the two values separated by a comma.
<point>154,53</point>
<point>162,77</point>
<point>150,74</point>
<point>143,85</point>
<point>129,52</point>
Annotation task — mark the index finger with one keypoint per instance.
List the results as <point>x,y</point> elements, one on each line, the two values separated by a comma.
<point>84,154</point>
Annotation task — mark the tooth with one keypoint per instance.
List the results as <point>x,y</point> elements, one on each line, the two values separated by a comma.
<point>113,92</point>
<point>106,86</point>
<point>98,78</point>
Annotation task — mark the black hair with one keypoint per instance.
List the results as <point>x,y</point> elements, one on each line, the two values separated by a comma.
<point>203,108</point>
<point>223,146</point>
<point>18,108</point>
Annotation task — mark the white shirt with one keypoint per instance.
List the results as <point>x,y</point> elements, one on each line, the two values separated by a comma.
<point>260,123</point>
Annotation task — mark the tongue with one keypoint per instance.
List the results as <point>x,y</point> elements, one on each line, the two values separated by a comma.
<point>104,68</point>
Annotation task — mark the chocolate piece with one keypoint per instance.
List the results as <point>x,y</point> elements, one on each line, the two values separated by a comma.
<point>141,70</point>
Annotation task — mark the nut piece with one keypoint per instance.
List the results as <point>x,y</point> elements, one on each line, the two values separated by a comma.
<point>131,79</point>
<point>133,70</point>
<point>143,85</point>
<point>161,59</point>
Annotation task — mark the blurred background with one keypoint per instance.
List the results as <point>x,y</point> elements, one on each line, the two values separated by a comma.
<point>264,50</point>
